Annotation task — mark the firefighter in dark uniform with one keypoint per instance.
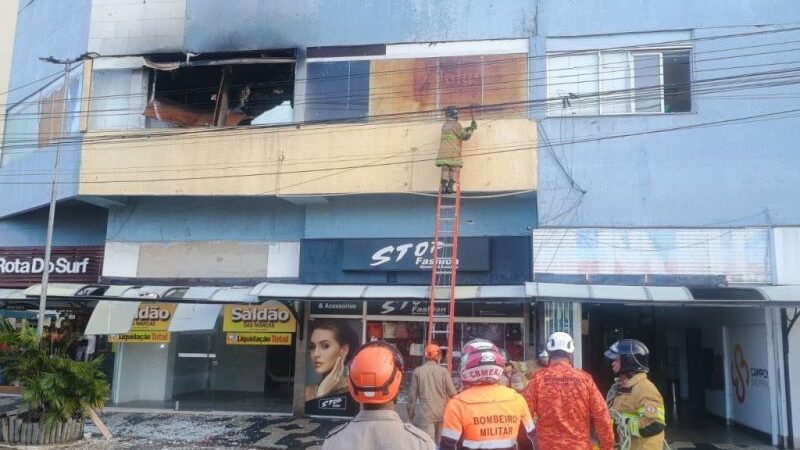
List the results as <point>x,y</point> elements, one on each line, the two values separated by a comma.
<point>376,373</point>
<point>637,406</point>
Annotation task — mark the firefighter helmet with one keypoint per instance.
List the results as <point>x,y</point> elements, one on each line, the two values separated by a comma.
<point>451,112</point>
<point>481,362</point>
<point>432,351</point>
<point>376,372</point>
<point>633,355</point>
<point>560,341</point>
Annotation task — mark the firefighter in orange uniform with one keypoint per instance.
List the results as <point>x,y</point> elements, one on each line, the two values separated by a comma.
<point>485,415</point>
<point>376,373</point>
<point>566,403</point>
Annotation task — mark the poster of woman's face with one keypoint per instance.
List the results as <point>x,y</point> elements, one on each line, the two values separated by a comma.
<point>331,346</point>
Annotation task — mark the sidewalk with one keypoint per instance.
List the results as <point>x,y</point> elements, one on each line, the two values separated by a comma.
<point>206,431</point>
<point>216,431</point>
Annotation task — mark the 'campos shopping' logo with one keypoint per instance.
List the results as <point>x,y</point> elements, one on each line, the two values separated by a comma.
<point>745,377</point>
<point>740,373</point>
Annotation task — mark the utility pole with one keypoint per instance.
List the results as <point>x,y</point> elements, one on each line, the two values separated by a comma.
<point>48,246</point>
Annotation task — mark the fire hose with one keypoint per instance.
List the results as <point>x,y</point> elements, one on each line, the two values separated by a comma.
<point>621,423</point>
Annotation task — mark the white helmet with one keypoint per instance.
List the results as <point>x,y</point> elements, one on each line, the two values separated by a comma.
<point>560,341</point>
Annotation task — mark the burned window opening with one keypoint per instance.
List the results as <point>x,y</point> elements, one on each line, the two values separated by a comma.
<point>222,95</point>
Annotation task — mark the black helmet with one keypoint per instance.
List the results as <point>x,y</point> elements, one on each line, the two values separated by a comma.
<point>633,355</point>
<point>451,112</point>
<point>542,356</point>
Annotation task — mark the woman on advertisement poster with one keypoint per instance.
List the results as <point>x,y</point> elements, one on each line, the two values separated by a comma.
<point>331,347</point>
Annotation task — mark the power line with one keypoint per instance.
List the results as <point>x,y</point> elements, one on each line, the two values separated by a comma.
<point>575,52</point>
<point>773,116</point>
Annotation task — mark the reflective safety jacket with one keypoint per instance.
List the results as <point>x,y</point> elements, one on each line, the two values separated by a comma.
<point>640,405</point>
<point>566,403</point>
<point>485,417</point>
<point>450,146</point>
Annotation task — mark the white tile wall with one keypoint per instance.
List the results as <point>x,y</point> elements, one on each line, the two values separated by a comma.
<point>124,27</point>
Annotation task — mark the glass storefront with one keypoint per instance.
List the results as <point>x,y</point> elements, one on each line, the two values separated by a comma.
<point>223,368</point>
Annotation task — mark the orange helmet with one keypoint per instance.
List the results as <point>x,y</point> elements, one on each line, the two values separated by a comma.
<point>432,351</point>
<point>375,373</point>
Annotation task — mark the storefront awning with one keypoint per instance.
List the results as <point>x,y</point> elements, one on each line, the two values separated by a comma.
<point>780,296</point>
<point>11,294</point>
<point>368,292</point>
<point>112,317</point>
<point>198,308</point>
<point>66,290</point>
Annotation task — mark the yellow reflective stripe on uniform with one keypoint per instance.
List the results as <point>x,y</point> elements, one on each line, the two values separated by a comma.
<point>660,414</point>
<point>632,422</point>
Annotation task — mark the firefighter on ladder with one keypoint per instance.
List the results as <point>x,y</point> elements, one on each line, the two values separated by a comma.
<point>449,157</point>
<point>636,405</point>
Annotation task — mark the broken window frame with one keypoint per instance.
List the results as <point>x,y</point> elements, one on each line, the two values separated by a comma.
<point>222,100</point>
<point>154,105</point>
<point>44,118</point>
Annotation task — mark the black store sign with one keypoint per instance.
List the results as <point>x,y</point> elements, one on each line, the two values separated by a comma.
<point>411,255</point>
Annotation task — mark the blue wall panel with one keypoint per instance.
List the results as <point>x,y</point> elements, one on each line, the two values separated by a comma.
<point>76,224</point>
<point>413,216</point>
<point>174,219</point>
<point>44,28</point>
<point>742,173</point>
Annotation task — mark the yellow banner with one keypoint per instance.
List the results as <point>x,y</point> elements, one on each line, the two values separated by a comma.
<point>271,317</point>
<point>258,338</point>
<point>141,337</point>
<point>153,317</point>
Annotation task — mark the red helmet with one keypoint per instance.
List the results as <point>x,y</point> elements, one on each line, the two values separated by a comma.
<point>481,362</point>
<point>432,351</point>
<point>375,373</point>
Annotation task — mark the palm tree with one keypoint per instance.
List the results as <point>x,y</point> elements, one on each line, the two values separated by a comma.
<point>55,389</point>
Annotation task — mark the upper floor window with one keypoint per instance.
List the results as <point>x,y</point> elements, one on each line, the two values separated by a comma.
<point>636,81</point>
<point>490,78</point>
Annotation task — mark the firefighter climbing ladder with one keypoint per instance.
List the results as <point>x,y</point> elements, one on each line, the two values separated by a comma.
<point>443,273</point>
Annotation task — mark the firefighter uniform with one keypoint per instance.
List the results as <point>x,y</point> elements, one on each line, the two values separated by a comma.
<point>449,157</point>
<point>640,405</point>
<point>431,387</point>
<point>378,429</point>
<point>565,402</point>
<point>487,416</point>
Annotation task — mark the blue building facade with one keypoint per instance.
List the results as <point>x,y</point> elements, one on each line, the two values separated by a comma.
<point>663,155</point>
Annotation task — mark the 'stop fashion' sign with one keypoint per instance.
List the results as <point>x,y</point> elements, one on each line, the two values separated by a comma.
<point>389,255</point>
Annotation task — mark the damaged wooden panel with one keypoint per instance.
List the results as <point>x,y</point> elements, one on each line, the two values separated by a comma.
<point>505,85</point>
<point>403,86</point>
<point>461,81</point>
<point>495,86</point>
<point>311,160</point>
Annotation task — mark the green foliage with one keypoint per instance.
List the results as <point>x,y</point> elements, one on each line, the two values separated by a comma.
<point>54,387</point>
